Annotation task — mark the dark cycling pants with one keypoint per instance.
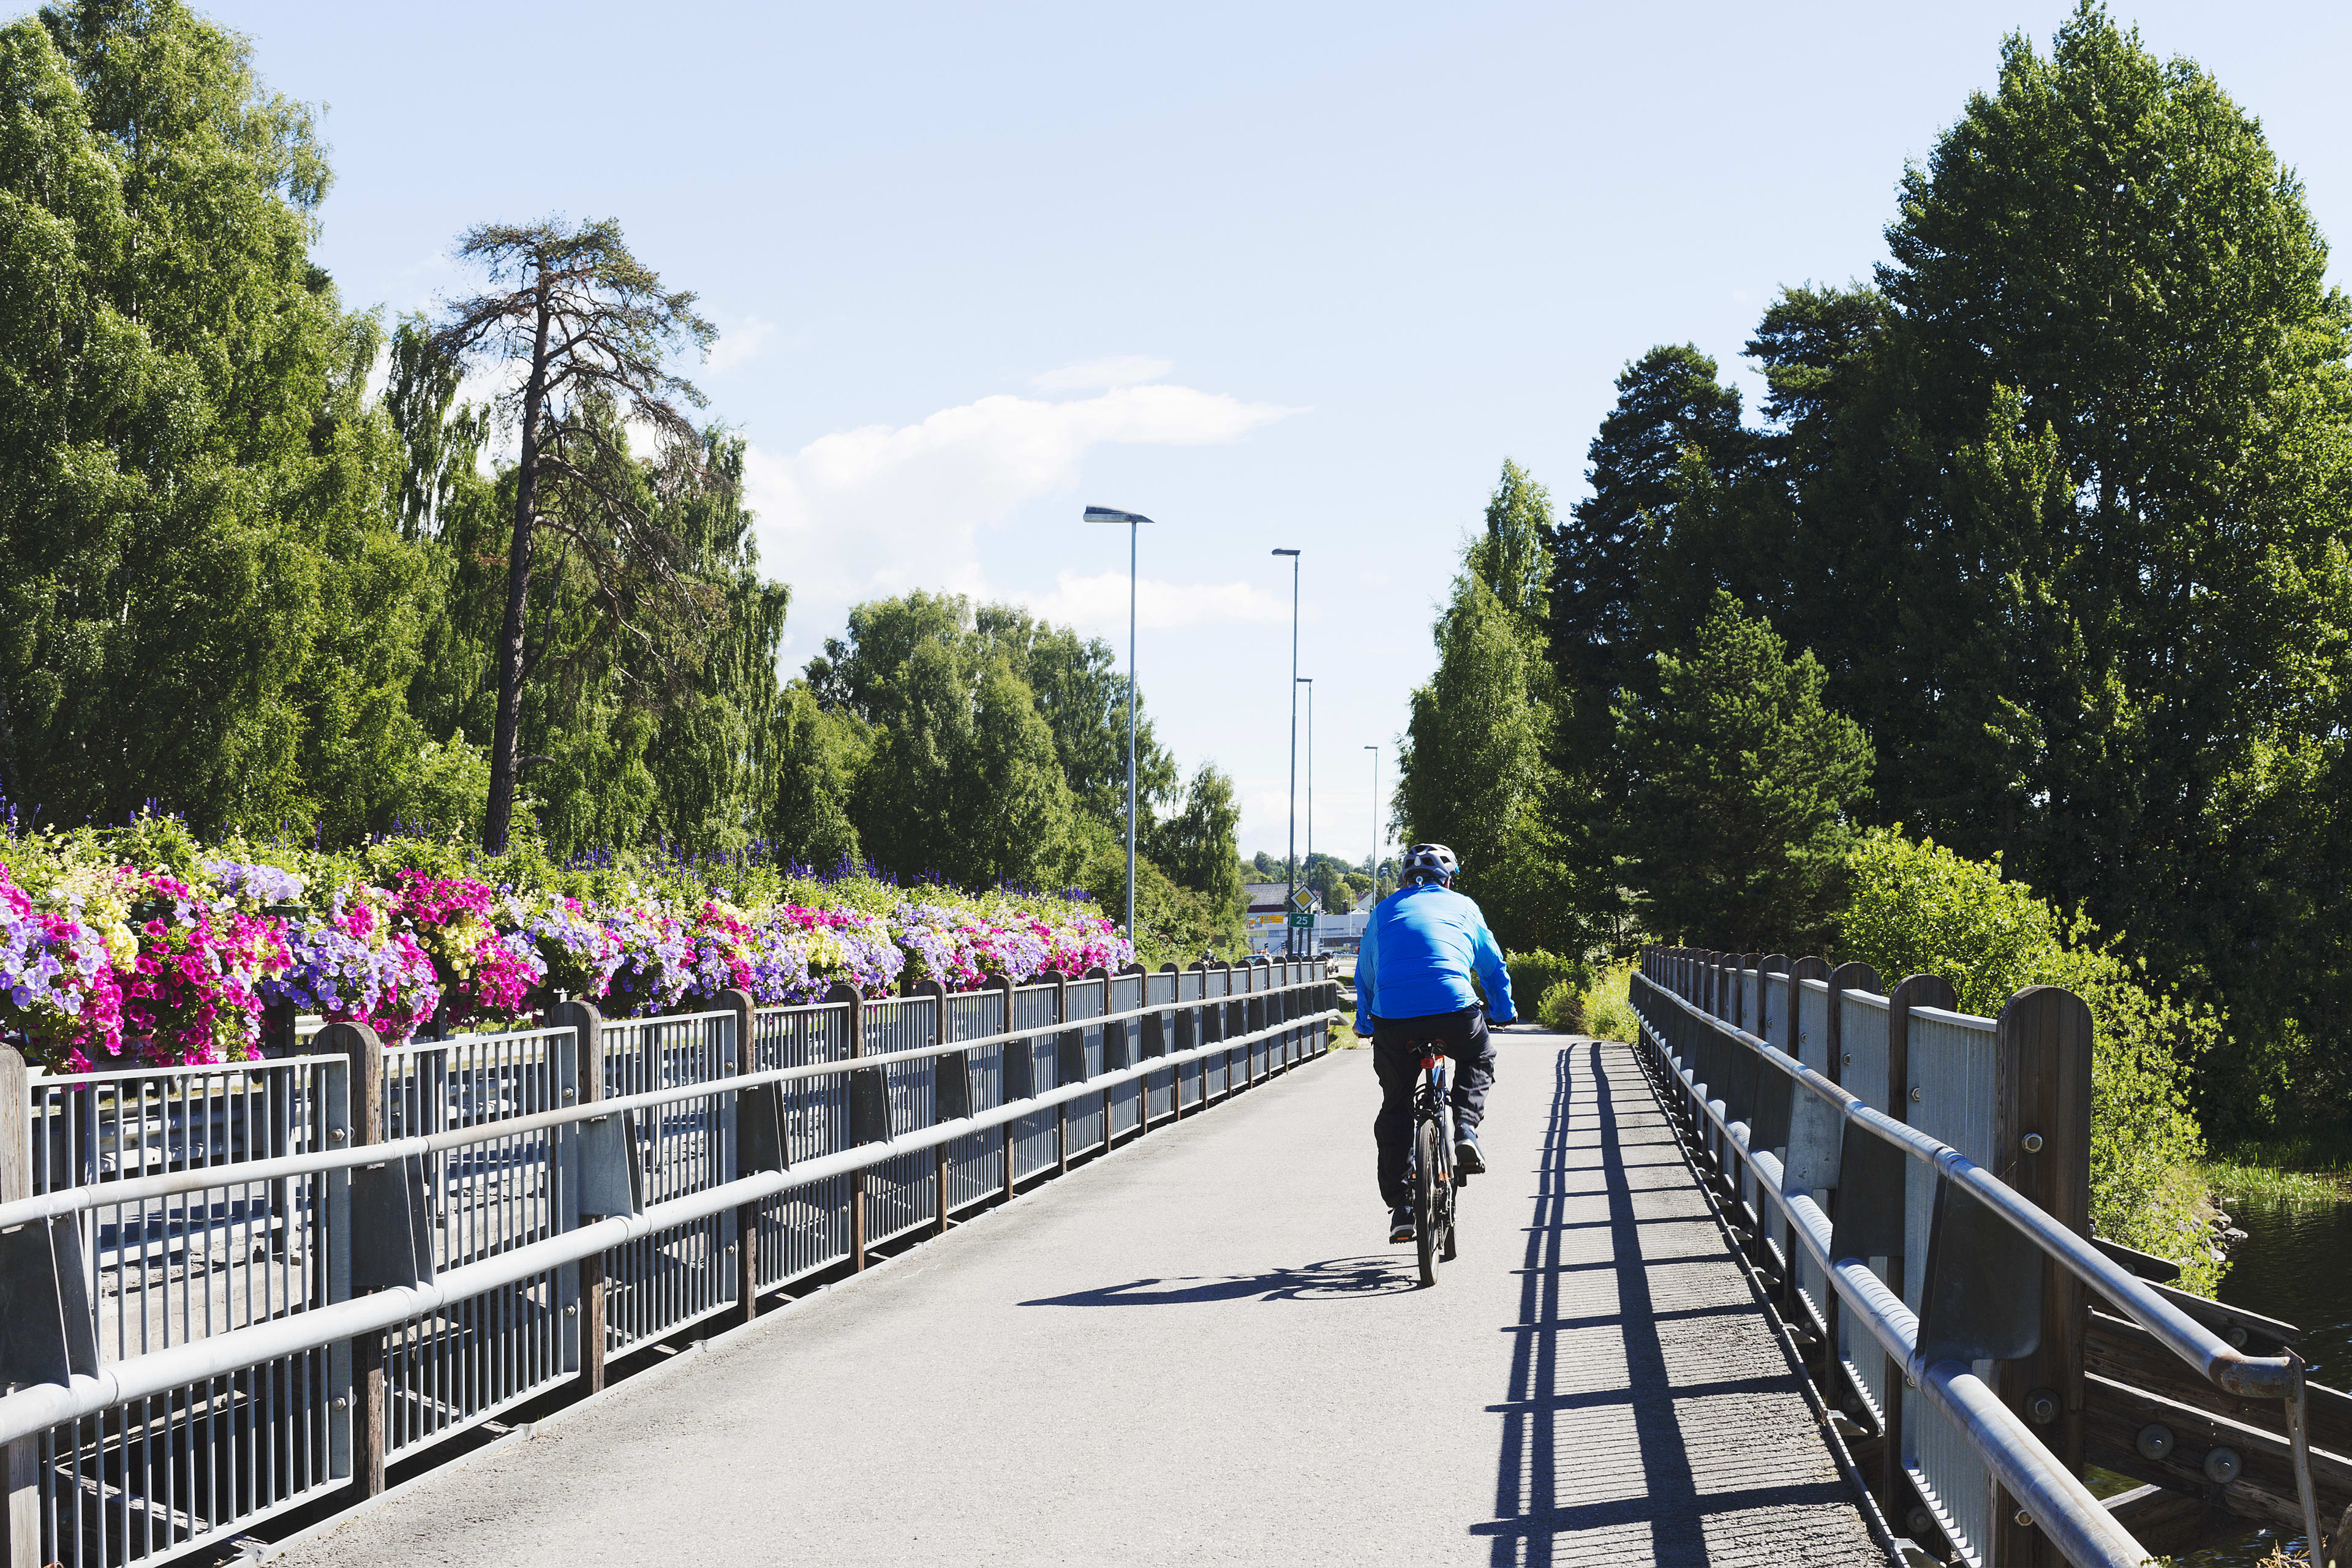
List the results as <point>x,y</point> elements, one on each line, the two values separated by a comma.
<point>1397,1048</point>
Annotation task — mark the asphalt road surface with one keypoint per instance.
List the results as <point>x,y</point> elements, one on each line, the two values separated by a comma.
<point>1203,1350</point>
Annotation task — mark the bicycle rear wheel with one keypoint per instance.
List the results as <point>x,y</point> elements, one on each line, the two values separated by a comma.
<point>1430,1195</point>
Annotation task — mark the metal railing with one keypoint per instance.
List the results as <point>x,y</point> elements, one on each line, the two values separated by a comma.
<point>1928,1271</point>
<point>230,1292</point>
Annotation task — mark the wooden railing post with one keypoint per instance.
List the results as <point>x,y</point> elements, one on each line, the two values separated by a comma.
<point>2041,1132</point>
<point>587,1024</point>
<point>361,1044</point>
<point>747,1215</point>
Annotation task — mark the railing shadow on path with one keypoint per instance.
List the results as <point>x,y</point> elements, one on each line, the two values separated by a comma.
<point>1337,1279</point>
<point>1648,1506</point>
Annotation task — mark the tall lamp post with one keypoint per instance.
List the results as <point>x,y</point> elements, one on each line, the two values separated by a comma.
<point>1376,822</point>
<point>1290,943</point>
<point>1308,681</point>
<point>1133,522</point>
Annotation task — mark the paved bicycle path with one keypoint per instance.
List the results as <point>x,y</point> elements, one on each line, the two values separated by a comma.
<point>1201,1350</point>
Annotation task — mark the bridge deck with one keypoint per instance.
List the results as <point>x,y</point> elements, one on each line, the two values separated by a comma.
<point>1197,1352</point>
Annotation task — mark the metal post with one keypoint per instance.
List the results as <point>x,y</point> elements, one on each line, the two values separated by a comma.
<point>1289,942</point>
<point>1131,528</point>
<point>1308,682</point>
<point>1375,866</point>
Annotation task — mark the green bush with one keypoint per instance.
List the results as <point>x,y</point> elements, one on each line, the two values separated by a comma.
<point>1608,1011</point>
<point>1535,972</point>
<point>1918,908</point>
<point>1562,1007</point>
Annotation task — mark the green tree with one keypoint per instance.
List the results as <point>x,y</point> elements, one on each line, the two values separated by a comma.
<point>1741,788</point>
<point>816,756</point>
<point>202,599</point>
<point>1670,404</point>
<point>2124,426</point>
<point>592,331</point>
<point>1082,696</point>
<point>1473,771</point>
<point>1198,845</point>
<point>964,782</point>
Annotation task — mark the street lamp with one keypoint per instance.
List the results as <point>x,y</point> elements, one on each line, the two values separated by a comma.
<point>1308,681</point>
<point>1376,822</point>
<point>1132,519</point>
<point>1290,943</point>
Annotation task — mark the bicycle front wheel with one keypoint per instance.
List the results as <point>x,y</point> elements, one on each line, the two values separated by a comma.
<point>1431,1180</point>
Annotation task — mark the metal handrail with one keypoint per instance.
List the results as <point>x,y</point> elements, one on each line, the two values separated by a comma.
<point>79,1199</point>
<point>36,1408</point>
<point>2077,1523</point>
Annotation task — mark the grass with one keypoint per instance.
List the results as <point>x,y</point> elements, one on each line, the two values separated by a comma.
<point>2291,1171</point>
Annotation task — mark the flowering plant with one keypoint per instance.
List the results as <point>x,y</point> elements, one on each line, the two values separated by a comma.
<point>392,941</point>
<point>839,944</point>
<point>357,965</point>
<point>650,973</point>
<point>721,952</point>
<point>578,950</point>
<point>194,991</point>
<point>958,947</point>
<point>485,976</point>
<point>57,983</point>
<point>254,886</point>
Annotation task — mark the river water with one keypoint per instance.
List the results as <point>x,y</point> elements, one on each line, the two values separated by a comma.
<point>2295,1264</point>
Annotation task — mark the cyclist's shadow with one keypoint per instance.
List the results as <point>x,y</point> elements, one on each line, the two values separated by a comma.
<point>1334,1279</point>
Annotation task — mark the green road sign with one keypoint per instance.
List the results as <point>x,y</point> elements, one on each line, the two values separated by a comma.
<point>1304,920</point>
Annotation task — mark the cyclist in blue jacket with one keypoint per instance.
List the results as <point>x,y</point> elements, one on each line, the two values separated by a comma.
<point>1414,992</point>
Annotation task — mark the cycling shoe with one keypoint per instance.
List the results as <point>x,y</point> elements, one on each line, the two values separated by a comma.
<point>1466,1158</point>
<point>1401,1223</point>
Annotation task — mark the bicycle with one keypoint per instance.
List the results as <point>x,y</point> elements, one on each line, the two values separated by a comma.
<point>1429,1170</point>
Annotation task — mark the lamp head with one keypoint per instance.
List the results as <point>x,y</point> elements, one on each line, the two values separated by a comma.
<point>1112,514</point>
<point>1284,553</point>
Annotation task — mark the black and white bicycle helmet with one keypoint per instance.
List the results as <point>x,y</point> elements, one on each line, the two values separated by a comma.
<point>1429,863</point>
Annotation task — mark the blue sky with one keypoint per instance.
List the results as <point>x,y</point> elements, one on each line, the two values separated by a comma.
<point>1275,275</point>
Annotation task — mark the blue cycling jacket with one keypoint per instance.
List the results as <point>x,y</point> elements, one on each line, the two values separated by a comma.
<point>1417,955</point>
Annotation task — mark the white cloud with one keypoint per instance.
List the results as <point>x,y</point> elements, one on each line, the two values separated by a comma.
<point>1112,371</point>
<point>1099,604</point>
<point>885,509</point>
<point>738,344</point>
